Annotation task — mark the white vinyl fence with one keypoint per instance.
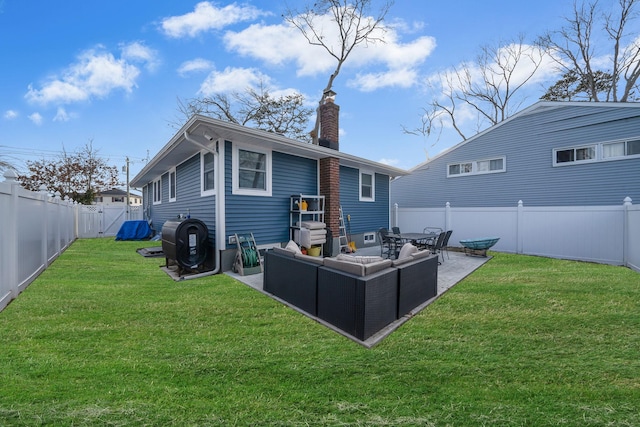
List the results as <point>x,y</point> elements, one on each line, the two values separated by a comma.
<point>603,234</point>
<point>35,229</point>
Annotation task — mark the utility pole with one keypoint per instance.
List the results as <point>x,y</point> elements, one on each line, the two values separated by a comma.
<point>128,195</point>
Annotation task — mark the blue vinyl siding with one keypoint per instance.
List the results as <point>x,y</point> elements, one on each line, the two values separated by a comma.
<point>268,217</point>
<point>365,216</point>
<point>527,141</point>
<point>188,199</point>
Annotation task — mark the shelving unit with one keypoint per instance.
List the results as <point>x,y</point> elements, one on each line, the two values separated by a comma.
<point>314,213</point>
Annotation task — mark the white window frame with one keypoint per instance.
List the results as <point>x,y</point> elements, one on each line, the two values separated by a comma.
<point>210,191</point>
<point>156,191</point>
<point>595,147</point>
<point>625,143</point>
<point>373,186</point>
<point>472,168</point>
<point>235,168</point>
<point>173,184</point>
<point>369,238</point>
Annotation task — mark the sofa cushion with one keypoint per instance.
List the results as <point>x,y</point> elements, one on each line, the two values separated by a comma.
<point>313,225</point>
<point>407,250</point>
<point>401,261</point>
<point>315,259</point>
<point>283,251</point>
<point>359,259</point>
<point>355,268</point>
<point>421,254</point>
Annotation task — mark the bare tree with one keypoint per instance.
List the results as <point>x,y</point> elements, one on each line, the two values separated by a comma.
<point>488,87</point>
<point>575,48</point>
<point>80,175</point>
<point>285,115</point>
<point>354,25</point>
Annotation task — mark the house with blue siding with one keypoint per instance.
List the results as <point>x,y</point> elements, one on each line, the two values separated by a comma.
<point>549,154</point>
<point>240,180</point>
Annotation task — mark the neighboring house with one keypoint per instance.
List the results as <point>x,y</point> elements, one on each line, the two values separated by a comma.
<point>116,196</point>
<point>239,180</point>
<point>550,154</point>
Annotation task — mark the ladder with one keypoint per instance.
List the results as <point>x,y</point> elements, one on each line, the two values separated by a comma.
<point>344,242</point>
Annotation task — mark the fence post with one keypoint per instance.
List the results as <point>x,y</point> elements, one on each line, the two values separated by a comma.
<point>395,215</point>
<point>520,228</point>
<point>447,217</point>
<point>11,255</point>
<point>626,203</point>
<point>44,196</point>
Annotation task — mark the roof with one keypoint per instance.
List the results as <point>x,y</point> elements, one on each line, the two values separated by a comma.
<point>532,109</point>
<point>116,192</point>
<point>191,139</point>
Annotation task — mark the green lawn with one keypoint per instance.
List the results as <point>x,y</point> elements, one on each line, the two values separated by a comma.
<point>104,337</point>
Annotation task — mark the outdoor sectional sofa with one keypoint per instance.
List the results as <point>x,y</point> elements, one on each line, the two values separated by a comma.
<point>358,295</point>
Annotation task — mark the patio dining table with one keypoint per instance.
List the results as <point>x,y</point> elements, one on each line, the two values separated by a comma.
<point>415,238</point>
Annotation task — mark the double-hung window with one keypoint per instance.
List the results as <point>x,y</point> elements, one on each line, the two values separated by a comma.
<point>251,174</point>
<point>172,186</point>
<point>367,186</point>
<point>157,191</point>
<point>207,173</point>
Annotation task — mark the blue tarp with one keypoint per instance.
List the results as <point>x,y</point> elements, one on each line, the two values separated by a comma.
<point>134,230</point>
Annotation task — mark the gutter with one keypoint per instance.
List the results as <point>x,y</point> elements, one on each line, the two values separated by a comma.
<point>219,204</point>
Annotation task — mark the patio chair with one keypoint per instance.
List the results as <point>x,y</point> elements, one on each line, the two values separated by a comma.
<point>389,245</point>
<point>395,230</point>
<point>445,243</point>
<point>436,248</point>
<point>427,243</point>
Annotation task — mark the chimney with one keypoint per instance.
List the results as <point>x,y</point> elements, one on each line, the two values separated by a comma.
<point>330,166</point>
<point>329,127</point>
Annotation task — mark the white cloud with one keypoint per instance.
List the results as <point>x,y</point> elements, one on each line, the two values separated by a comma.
<point>138,52</point>
<point>233,80</point>
<point>194,66</point>
<point>390,63</point>
<point>95,74</point>
<point>389,162</point>
<point>36,118</point>
<point>206,16</point>
<point>62,115</point>
<point>403,78</point>
<point>11,114</point>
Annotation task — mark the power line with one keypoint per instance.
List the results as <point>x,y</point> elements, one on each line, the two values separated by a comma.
<point>30,152</point>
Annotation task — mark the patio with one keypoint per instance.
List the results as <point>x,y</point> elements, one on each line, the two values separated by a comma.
<point>454,268</point>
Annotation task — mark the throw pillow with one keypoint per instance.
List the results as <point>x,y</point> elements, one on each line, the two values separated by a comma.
<point>407,250</point>
<point>293,247</point>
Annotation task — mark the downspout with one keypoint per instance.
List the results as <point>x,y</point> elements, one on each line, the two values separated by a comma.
<point>219,203</point>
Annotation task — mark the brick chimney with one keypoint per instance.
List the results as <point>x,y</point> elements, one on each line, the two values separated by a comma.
<point>330,166</point>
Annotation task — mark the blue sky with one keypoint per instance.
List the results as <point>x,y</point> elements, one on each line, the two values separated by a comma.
<point>112,71</point>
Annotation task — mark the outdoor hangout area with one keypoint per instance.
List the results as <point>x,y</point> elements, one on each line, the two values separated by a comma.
<point>363,294</point>
<point>103,336</point>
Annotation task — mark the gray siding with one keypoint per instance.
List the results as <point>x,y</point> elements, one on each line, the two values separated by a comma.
<point>528,142</point>
<point>365,216</point>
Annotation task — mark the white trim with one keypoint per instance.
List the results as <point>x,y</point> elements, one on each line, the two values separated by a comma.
<point>369,237</point>
<point>373,186</point>
<point>235,168</point>
<point>211,191</point>
<point>175,184</point>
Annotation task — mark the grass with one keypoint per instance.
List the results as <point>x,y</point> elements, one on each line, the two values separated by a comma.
<point>104,337</point>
